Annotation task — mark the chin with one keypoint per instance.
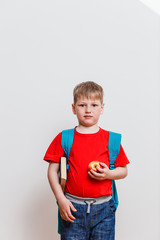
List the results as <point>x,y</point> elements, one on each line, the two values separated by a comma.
<point>88,124</point>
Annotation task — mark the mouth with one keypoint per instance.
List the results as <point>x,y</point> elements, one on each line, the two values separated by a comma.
<point>88,116</point>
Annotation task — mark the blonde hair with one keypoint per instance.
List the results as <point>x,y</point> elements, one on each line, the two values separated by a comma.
<point>88,89</point>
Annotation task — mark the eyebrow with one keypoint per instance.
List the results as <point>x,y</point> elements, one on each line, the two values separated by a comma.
<point>92,102</point>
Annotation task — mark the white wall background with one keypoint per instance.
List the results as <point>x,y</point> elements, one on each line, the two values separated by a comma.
<point>46,48</point>
<point>153,4</point>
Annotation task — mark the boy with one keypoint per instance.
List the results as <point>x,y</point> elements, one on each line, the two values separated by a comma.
<point>86,207</point>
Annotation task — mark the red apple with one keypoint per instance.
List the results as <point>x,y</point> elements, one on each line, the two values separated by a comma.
<point>93,165</point>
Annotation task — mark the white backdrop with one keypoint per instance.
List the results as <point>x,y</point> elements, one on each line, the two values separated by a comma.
<point>153,4</point>
<point>46,48</point>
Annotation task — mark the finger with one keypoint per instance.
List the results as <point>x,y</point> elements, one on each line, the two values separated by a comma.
<point>71,218</point>
<point>73,208</point>
<point>64,217</point>
<point>100,169</point>
<point>103,164</point>
<point>96,174</point>
<point>65,214</point>
<point>94,177</point>
<point>92,173</point>
<point>67,217</point>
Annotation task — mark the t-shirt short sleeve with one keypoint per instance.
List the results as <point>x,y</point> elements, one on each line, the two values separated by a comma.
<point>55,150</point>
<point>122,159</point>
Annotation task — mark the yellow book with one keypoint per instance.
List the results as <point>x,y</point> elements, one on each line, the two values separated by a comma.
<point>63,172</point>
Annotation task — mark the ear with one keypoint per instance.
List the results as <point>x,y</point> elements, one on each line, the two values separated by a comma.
<point>73,109</point>
<point>102,108</point>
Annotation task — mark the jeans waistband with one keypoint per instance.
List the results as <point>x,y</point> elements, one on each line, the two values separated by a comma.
<point>88,201</point>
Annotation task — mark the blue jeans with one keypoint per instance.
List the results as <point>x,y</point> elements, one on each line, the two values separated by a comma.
<point>99,224</point>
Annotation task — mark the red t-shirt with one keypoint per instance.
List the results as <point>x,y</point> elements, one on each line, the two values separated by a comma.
<point>86,148</point>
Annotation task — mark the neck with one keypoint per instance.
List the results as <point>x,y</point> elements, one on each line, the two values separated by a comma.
<point>90,129</point>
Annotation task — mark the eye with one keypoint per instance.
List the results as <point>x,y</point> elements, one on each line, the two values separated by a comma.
<point>81,105</point>
<point>94,105</point>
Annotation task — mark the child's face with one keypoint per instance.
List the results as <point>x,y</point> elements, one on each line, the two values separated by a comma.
<point>88,111</point>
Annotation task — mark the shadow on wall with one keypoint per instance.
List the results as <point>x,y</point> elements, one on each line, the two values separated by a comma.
<point>40,215</point>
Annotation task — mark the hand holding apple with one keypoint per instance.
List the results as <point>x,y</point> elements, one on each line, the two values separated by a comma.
<point>99,171</point>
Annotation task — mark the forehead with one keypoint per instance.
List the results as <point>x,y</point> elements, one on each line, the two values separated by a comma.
<point>88,99</point>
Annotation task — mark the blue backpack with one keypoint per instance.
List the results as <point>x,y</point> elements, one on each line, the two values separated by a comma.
<point>113,147</point>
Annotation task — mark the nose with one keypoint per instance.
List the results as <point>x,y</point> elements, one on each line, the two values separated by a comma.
<point>88,109</point>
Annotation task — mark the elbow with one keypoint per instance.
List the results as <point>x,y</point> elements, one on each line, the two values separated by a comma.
<point>53,170</point>
<point>125,172</point>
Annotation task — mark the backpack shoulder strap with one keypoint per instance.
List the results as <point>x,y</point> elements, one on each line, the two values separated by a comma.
<point>113,147</point>
<point>67,141</point>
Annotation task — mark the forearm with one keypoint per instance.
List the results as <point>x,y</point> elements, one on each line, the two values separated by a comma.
<point>54,181</point>
<point>65,206</point>
<point>118,173</point>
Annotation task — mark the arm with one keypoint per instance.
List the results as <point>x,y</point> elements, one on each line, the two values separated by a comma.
<point>65,206</point>
<point>106,173</point>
